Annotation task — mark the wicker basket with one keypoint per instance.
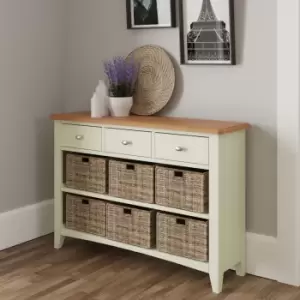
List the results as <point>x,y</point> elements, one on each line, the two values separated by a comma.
<point>182,237</point>
<point>86,215</point>
<point>131,181</point>
<point>130,225</point>
<point>86,173</point>
<point>182,189</point>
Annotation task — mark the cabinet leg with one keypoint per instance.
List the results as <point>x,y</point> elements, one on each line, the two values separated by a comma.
<point>216,282</point>
<point>241,266</point>
<point>241,269</point>
<point>58,240</point>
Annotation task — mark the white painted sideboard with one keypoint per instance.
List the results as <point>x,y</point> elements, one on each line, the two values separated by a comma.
<point>216,146</point>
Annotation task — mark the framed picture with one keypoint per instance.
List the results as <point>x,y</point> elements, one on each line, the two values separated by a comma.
<point>207,33</point>
<point>151,14</point>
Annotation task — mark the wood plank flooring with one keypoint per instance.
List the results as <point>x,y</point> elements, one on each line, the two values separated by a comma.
<point>87,271</point>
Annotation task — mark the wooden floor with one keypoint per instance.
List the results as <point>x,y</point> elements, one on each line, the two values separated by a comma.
<point>88,271</point>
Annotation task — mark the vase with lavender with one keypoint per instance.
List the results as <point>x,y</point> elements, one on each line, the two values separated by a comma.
<point>121,77</point>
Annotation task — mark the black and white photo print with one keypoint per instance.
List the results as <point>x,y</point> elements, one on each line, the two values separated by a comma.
<point>150,14</point>
<point>207,32</point>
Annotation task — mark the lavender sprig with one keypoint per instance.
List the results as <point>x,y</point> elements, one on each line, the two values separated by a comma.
<point>121,75</point>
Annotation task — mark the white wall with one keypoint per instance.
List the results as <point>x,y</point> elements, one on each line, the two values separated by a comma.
<point>246,92</point>
<point>31,58</point>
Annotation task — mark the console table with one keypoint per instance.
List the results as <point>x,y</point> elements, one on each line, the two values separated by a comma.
<point>215,146</point>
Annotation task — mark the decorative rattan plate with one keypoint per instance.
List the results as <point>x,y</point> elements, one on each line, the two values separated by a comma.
<point>155,82</point>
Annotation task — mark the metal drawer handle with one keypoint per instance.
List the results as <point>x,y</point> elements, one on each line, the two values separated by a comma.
<point>126,143</point>
<point>179,149</point>
<point>79,137</point>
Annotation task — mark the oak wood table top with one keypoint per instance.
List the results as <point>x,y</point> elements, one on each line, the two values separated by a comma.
<point>156,122</point>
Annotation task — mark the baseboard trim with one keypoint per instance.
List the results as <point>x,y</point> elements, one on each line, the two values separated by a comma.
<point>262,256</point>
<point>33,221</point>
<point>26,223</point>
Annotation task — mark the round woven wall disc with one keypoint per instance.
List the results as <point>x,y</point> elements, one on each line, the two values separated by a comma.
<point>155,82</point>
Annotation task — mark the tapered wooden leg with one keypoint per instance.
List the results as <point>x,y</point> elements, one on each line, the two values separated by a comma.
<point>216,281</point>
<point>58,240</point>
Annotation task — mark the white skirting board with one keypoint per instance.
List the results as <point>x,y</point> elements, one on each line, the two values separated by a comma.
<point>26,223</point>
<point>30,222</point>
<point>262,256</point>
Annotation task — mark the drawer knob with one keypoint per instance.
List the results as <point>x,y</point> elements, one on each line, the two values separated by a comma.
<point>126,143</point>
<point>179,149</point>
<point>79,137</point>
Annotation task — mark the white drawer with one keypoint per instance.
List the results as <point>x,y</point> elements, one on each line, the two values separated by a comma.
<point>128,142</point>
<point>189,149</point>
<point>83,137</point>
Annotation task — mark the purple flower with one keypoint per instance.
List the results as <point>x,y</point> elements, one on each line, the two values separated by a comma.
<point>121,75</point>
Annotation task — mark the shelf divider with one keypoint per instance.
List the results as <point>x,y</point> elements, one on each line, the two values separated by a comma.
<point>136,203</point>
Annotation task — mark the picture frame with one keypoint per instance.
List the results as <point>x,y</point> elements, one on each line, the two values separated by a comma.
<point>207,32</point>
<point>146,14</point>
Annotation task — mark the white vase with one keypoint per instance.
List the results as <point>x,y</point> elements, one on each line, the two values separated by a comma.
<point>98,107</point>
<point>99,101</point>
<point>120,106</point>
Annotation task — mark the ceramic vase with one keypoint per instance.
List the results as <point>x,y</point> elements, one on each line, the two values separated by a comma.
<point>99,101</point>
<point>120,106</point>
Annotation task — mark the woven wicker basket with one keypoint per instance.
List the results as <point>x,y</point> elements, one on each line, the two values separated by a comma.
<point>131,181</point>
<point>130,225</point>
<point>182,189</point>
<point>86,173</point>
<point>86,215</point>
<point>182,237</point>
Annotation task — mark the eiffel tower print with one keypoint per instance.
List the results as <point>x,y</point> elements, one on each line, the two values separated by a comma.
<point>208,38</point>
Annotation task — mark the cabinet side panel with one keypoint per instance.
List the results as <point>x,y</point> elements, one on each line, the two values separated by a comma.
<point>58,178</point>
<point>232,199</point>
